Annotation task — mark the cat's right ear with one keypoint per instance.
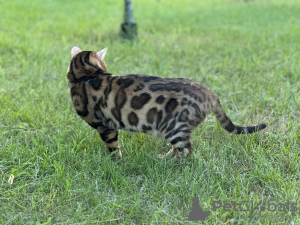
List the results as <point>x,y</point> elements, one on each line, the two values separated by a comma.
<point>101,54</point>
<point>75,50</point>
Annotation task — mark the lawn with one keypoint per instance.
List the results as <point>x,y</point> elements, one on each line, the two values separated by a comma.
<point>248,52</point>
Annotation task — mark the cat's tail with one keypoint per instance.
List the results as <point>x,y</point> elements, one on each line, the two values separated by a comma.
<point>229,126</point>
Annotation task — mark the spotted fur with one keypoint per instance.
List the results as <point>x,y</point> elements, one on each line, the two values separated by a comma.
<point>167,107</point>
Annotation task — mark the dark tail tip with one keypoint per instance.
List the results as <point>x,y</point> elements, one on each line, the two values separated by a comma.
<point>250,129</point>
<point>262,126</point>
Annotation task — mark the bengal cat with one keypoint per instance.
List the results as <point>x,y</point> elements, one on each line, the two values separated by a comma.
<point>168,107</point>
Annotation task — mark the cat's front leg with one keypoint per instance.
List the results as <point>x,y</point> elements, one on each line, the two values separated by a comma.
<point>110,138</point>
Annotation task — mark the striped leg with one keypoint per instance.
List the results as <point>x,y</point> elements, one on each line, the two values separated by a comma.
<point>179,153</point>
<point>182,147</point>
<point>168,155</point>
<point>110,138</point>
<point>182,153</point>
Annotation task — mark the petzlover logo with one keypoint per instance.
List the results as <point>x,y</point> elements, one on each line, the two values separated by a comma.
<point>198,214</point>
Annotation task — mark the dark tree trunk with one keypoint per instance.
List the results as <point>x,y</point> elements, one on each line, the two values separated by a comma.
<point>129,27</point>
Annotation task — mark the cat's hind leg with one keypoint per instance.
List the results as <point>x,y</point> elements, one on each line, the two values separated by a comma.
<point>170,154</point>
<point>182,147</point>
<point>182,153</point>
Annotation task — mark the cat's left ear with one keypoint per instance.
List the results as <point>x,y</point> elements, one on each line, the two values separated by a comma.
<point>101,54</point>
<point>75,50</point>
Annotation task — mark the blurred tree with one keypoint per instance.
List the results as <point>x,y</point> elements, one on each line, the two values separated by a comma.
<point>129,27</point>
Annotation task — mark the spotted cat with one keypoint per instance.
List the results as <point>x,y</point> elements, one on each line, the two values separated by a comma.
<point>168,107</point>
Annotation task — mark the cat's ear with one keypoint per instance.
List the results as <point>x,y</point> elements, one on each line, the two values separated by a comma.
<point>101,54</point>
<point>75,50</point>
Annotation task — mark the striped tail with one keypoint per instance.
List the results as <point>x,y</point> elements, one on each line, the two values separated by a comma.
<point>230,127</point>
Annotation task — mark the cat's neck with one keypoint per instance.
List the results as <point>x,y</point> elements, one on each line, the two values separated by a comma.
<point>89,77</point>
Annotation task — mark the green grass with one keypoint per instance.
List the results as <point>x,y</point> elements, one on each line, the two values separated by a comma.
<point>247,52</point>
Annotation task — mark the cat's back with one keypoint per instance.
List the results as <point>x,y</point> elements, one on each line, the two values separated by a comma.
<point>142,103</point>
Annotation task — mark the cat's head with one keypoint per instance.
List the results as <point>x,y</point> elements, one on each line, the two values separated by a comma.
<point>86,63</point>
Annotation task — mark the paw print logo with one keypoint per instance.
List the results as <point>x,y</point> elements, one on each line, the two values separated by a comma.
<point>197,213</point>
